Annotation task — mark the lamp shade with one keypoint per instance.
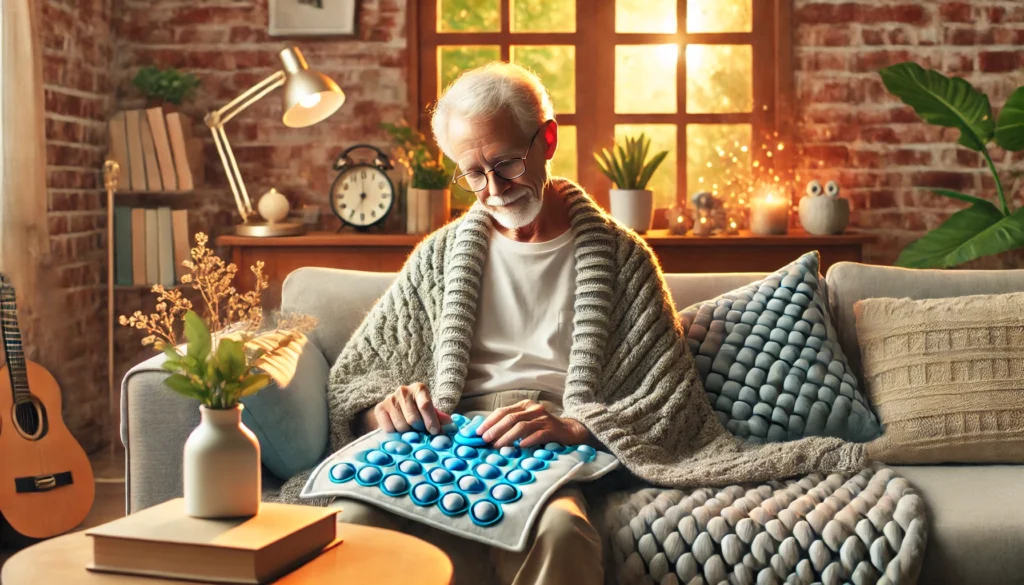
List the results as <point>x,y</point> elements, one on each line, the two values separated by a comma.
<point>309,96</point>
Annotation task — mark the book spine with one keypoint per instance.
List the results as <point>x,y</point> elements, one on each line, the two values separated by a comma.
<point>139,247</point>
<point>182,243</point>
<point>163,148</point>
<point>152,248</point>
<point>133,131</point>
<point>165,245</point>
<point>122,234</point>
<point>119,146</point>
<point>153,181</point>
<point>176,134</point>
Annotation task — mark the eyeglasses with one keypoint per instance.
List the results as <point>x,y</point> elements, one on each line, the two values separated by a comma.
<point>508,169</point>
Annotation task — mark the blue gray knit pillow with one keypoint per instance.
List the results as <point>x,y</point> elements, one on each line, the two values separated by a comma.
<point>771,362</point>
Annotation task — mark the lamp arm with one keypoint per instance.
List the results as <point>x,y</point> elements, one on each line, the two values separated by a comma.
<point>246,99</point>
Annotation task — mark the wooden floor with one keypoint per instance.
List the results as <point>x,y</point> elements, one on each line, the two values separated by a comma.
<point>109,503</point>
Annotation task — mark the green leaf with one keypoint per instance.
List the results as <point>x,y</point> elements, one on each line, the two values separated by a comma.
<point>943,101</point>
<point>182,385</point>
<point>198,336</point>
<point>978,231</point>
<point>171,366</point>
<point>650,168</point>
<point>231,359</point>
<point>1010,130</point>
<point>958,196</point>
<point>254,384</point>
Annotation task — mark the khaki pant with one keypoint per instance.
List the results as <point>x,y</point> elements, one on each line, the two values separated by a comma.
<point>565,547</point>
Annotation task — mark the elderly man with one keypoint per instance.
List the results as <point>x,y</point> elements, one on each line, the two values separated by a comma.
<point>538,307</point>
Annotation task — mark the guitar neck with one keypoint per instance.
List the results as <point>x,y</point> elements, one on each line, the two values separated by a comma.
<point>12,342</point>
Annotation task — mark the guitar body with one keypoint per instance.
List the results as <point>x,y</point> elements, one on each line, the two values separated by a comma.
<point>46,481</point>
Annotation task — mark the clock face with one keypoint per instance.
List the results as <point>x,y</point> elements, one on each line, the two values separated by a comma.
<point>362,195</point>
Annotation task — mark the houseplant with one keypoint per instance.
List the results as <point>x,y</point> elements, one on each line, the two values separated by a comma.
<point>428,200</point>
<point>165,86</point>
<point>981,229</point>
<point>231,352</point>
<point>630,170</point>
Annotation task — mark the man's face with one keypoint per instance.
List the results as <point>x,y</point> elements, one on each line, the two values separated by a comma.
<point>478,145</point>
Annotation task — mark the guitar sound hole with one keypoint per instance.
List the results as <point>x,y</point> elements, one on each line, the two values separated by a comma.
<point>27,414</point>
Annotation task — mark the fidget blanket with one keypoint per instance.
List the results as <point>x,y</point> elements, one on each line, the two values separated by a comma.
<point>455,481</point>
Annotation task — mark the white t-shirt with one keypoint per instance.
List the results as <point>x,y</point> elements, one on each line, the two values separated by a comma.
<point>524,317</point>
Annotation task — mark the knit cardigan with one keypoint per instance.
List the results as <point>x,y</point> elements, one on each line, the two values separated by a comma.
<point>631,378</point>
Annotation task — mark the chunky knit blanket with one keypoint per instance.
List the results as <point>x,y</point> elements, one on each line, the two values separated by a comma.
<point>631,377</point>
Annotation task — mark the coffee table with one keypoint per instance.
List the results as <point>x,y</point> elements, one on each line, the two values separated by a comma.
<point>366,555</point>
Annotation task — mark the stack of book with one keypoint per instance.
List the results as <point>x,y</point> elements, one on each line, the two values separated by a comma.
<point>156,151</point>
<point>150,245</point>
<point>163,541</point>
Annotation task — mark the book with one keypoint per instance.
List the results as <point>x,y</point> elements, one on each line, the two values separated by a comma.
<point>122,234</point>
<point>165,246</point>
<point>137,169</point>
<point>153,181</point>
<point>162,143</point>
<point>152,248</point>
<point>119,146</point>
<point>139,247</point>
<point>182,243</point>
<point>178,128</point>
<point>163,541</point>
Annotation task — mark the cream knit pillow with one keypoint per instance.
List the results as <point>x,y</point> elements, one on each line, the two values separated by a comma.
<point>946,376</point>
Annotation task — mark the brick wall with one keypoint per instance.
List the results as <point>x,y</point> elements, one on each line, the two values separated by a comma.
<point>850,128</point>
<point>77,55</point>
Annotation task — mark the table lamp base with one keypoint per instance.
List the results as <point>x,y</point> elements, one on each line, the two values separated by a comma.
<point>262,229</point>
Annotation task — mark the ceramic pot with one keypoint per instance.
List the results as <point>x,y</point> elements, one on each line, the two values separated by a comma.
<point>427,210</point>
<point>634,208</point>
<point>221,466</point>
<point>823,215</point>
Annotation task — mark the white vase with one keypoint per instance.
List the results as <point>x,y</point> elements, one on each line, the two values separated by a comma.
<point>221,467</point>
<point>634,208</point>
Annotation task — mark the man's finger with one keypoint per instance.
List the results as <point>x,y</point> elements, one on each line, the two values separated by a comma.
<point>507,422</point>
<point>518,431</point>
<point>397,418</point>
<point>493,418</point>
<point>427,410</point>
<point>383,419</point>
<point>537,438</point>
<point>407,402</point>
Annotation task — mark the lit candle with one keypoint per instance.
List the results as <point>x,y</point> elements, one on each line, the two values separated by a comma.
<point>769,215</point>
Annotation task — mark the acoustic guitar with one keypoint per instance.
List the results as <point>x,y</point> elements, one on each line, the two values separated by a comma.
<point>46,482</point>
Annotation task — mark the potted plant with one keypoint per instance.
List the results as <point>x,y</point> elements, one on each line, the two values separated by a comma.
<point>630,170</point>
<point>428,199</point>
<point>165,87</point>
<point>981,229</point>
<point>229,354</point>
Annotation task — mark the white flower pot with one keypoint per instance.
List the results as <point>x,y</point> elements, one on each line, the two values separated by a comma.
<point>633,208</point>
<point>221,466</point>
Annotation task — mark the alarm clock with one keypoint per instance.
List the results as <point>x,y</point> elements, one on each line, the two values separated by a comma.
<point>362,195</point>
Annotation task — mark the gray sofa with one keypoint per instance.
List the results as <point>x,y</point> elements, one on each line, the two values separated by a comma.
<point>976,512</point>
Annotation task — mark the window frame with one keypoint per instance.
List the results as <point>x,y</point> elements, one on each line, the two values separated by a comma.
<point>595,117</point>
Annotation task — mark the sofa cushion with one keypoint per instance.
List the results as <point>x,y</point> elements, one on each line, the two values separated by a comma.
<point>849,282</point>
<point>771,362</point>
<point>976,522</point>
<point>946,377</point>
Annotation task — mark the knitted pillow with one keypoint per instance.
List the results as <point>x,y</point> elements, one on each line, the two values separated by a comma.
<point>771,362</point>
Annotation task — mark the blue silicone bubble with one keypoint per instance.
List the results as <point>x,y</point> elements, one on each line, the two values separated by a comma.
<point>425,494</point>
<point>467,434</point>
<point>495,459</point>
<point>397,448</point>
<point>504,492</point>
<point>379,458</point>
<point>410,467</point>
<point>471,484</point>
<point>394,485</point>
<point>555,447</point>
<point>510,452</point>
<point>369,476</point>
<point>342,472</point>
<point>411,437</point>
<point>487,471</point>
<point>441,442</point>
<point>544,454</point>
<point>455,464</point>
<point>418,426</point>
<point>453,503</point>
<point>519,476</point>
<point>441,476</point>
<point>425,455</point>
<point>466,452</point>
<point>532,464</point>
<point>485,513</point>
<point>586,452</point>
<point>459,420</point>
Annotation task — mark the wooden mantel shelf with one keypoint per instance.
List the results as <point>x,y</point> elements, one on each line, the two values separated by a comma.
<point>744,252</point>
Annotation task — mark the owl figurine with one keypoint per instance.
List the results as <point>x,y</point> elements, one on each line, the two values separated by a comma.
<point>822,211</point>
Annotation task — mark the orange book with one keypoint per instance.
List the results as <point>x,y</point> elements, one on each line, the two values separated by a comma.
<point>163,148</point>
<point>163,541</point>
<point>178,131</point>
<point>182,245</point>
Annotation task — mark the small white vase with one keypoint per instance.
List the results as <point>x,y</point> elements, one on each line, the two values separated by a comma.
<point>221,466</point>
<point>634,208</point>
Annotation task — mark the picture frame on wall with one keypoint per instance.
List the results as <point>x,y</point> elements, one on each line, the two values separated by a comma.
<point>313,18</point>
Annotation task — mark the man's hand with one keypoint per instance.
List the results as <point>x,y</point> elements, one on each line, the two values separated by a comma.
<point>407,408</point>
<point>530,422</point>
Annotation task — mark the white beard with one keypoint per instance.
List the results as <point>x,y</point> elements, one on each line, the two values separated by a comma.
<point>521,211</point>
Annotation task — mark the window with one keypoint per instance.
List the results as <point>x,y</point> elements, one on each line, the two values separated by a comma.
<point>704,79</point>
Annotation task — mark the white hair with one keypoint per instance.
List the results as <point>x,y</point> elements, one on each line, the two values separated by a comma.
<point>483,92</point>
